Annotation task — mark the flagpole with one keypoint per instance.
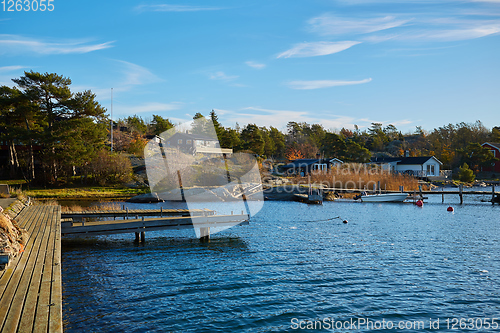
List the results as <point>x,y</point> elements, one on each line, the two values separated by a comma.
<point>111,119</point>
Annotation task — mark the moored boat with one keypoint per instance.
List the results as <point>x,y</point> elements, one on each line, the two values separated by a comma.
<point>386,197</point>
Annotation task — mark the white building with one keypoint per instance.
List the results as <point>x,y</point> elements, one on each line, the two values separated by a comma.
<point>424,166</point>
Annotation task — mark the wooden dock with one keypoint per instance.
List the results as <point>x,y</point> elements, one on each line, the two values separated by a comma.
<point>204,223</point>
<point>129,213</point>
<point>459,191</point>
<point>30,286</point>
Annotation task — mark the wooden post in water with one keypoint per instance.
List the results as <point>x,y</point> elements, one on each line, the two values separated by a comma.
<point>492,194</point>
<point>143,237</point>
<point>460,193</point>
<point>374,188</point>
<point>378,185</point>
<point>137,237</point>
<point>420,192</point>
<point>180,185</point>
<point>442,195</point>
<point>205,234</point>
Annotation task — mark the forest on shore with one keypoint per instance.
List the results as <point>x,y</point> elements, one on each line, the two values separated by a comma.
<point>51,134</point>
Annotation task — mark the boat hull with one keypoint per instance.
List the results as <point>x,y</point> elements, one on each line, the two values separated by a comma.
<point>388,197</point>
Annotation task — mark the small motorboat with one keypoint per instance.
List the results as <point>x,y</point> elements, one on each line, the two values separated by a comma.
<point>386,197</point>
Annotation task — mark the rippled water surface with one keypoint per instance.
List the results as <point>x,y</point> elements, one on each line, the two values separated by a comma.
<point>392,262</point>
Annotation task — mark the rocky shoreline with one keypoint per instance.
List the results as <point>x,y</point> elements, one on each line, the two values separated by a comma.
<point>12,237</point>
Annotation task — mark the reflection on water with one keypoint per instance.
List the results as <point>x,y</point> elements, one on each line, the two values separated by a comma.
<point>392,262</point>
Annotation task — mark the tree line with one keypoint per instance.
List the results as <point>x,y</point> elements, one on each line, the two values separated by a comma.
<point>49,132</point>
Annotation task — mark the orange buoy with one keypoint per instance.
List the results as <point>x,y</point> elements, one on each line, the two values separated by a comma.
<point>419,203</point>
<point>450,209</point>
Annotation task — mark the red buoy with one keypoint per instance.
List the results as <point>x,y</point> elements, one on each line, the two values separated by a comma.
<point>450,209</point>
<point>419,203</point>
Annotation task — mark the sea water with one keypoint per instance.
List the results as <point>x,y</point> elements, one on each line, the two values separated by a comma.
<point>293,267</point>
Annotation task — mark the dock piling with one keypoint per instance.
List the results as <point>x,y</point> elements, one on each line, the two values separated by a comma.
<point>460,193</point>
<point>205,234</point>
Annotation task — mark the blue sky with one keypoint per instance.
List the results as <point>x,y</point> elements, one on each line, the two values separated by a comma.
<point>334,62</point>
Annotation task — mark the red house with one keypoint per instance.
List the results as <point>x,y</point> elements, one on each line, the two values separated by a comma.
<point>495,149</point>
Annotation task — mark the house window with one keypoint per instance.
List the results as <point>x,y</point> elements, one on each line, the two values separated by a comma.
<point>430,169</point>
<point>319,167</point>
<point>179,142</point>
<point>189,142</point>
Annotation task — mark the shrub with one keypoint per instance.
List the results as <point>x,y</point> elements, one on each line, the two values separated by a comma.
<point>465,174</point>
<point>110,168</point>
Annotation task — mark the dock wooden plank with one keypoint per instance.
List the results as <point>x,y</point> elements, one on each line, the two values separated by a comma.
<point>42,309</point>
<point>55,315</point>
<point>25,284</point>
<point>31,294</point>
<point>27,320</point>
<point>18,269</point>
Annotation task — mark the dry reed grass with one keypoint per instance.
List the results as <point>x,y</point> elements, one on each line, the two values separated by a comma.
<point>77,208</point>
<point>107,206</point>
<point>359,177</point>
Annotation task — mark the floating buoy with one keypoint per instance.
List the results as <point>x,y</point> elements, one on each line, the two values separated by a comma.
<point>419,203</point>
<point>450,209</point>
<point>345,221</point>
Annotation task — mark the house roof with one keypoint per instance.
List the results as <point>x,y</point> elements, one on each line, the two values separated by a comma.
<point>383,160</point>
<point>193,137</point>
<point>493,144</point>
<point>405,160</point>
<point>303,162</point>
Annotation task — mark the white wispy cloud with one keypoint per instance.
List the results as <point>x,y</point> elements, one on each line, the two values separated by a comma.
<point>123,76</point>
<point>318,84</point>
<point>11,68</point>
<point>456,34</point>
<point>136,75</point>
<point>173,8</point>
<point>219,75</point>
<point>314,49</point>
<point>15,44</point>
<point>255,65</point>
<point>329,24</point>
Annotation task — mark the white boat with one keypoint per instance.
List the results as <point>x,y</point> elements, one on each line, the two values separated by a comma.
<point>387,197</point>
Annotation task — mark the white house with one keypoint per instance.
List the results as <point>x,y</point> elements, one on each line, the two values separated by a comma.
<point>424,166</point>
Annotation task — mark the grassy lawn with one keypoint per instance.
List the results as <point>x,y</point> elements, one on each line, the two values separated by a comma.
<point>72,191</point>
